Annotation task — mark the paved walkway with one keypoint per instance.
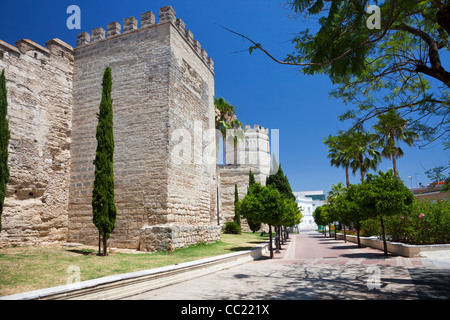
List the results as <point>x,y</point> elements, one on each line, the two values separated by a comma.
<point>313,267</point>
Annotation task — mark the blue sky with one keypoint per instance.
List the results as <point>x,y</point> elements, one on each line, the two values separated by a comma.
<point>265,93</point>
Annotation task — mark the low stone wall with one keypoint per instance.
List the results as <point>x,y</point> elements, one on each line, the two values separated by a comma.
<point>166,237</point>
<point>397,248</point>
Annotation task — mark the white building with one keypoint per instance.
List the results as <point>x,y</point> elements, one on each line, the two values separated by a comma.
<point>308,201</point>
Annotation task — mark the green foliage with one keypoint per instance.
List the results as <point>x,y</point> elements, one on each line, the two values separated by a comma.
<point>232,228</point>
<point>400,66</point>
<point>428,223</point>
<point>103,204</point>
<point>280,181</point>
<point>338,148</point>
<point>321,216</point>
<point>391,129</point>
<point>237,215</point>
<point>353,149</point>
<point>292,213</point>
<point>383,194</point>
<point>251,178</point>
<point>225,117</point>
<point>4,141</point>
<point>370,227</point>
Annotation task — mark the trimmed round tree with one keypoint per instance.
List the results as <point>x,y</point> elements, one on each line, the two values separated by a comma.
<point>383,194</point>
<point>103,204</point>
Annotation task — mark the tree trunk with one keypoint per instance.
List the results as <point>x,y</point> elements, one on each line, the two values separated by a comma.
<point>345,235</point>
<point>270,242</point>
<point>335,232</point>
<point>104,245</point>
<point>347,178</point>
<point>361,163</point>
<point>277,239</point>
<point>394,164</point>
<point>357,233</point>
<point>383,236</point>
<point>99,244</point>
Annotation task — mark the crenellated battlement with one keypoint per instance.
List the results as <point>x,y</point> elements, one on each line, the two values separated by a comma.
<point>256,128</point>
<point>166,15</point>
<point>54,47</point>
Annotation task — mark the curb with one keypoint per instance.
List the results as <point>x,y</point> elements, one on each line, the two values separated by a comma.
<point>398,248</point>
<point>129,284</point>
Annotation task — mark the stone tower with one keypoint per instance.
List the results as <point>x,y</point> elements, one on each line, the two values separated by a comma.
<point>163,89</point>
<point>251,152</point>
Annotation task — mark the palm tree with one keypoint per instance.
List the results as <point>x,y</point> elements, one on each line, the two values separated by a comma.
<point>337,190</point>
<point>392,129</point>
<point>337,152</point>
<point>362,151</point>
<point>226,119</point>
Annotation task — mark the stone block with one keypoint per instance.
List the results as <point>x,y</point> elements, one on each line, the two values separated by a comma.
<point>167,14</point>
<point>129,24</point>
<point>98,34</point>
<point>113,29</point>
<point>147,19</point>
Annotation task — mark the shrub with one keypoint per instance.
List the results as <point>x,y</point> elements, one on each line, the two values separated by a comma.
<point>370,227</point>
<point>232,228</point>
<point>428,223</point>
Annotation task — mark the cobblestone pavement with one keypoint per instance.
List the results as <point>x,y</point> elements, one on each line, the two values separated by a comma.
<point>313,267</point>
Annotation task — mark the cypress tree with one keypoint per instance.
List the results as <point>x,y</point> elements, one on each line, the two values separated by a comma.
<point>103,205</point>
<point>281,182</point>
<point>4,141</point>
<point>251,178</point>
<point>237,216</point>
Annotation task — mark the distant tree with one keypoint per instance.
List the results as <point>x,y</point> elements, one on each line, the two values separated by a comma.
<point>319,217</point>
<point>225,116</point>
<point>281,182</point>
<point>363,151</point>
<point>4,142</point>
<point>253,225</point>
<point>292,215</point>
<point>237,216</point>
<point>391,129</point>
<point>103,205</point>
<point>336,192</point>
<point>251,178</point>
<point>351,210</point>
<point>323,217</point>
<point>338,148</point>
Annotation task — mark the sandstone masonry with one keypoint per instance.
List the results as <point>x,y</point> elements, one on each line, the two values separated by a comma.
<point>166,188</point>
<point>39,84</point>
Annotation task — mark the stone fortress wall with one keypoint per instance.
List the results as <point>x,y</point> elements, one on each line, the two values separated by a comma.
<point>39,84</point>
<point>166,188</point>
